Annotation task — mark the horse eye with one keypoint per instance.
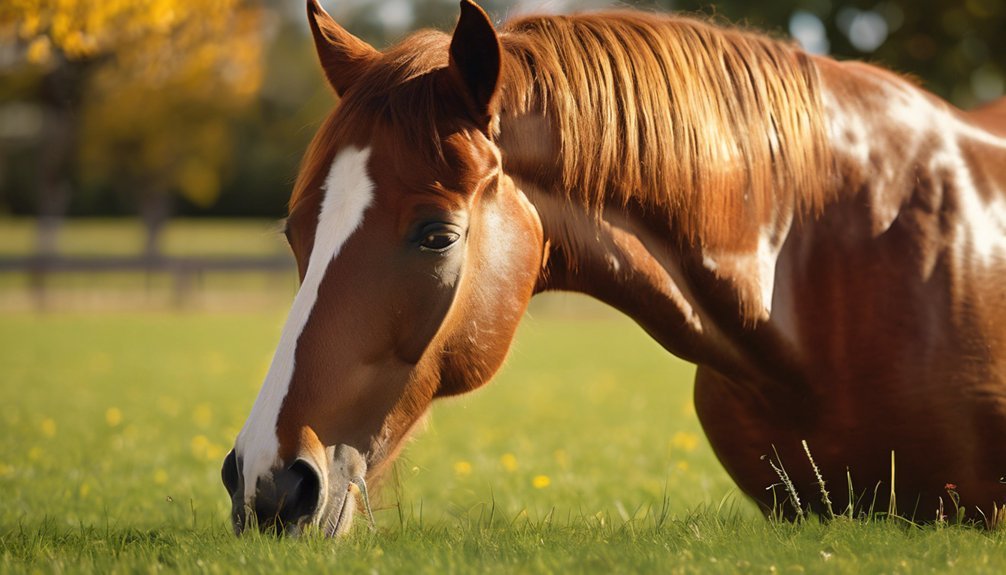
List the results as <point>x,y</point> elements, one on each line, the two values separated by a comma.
<point>439,241</point>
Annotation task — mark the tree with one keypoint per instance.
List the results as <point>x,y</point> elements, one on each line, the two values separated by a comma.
<point>147,85</point>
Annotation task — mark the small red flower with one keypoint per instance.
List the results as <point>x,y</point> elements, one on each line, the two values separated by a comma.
<point>950,487</point>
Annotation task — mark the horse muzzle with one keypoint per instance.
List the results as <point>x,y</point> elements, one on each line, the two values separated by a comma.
<point>301,496</point>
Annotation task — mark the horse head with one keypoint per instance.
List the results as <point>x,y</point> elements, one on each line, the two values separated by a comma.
<point>417,256</point>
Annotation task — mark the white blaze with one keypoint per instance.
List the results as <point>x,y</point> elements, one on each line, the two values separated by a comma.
<point>348,192</point>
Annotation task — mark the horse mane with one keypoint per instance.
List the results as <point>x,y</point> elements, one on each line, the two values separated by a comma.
<point>712,125</point>
<point>709,124</point>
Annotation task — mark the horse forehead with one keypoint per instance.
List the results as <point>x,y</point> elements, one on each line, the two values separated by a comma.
<point>344,183</point>
<point>443,172</point>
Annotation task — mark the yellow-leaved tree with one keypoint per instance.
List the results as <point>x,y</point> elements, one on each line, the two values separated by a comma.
<point>136,94</point>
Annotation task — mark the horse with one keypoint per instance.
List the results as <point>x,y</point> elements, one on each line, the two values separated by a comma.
<point>825,240</point>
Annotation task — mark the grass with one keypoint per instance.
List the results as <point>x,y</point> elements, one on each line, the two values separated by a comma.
<point>584,455</point>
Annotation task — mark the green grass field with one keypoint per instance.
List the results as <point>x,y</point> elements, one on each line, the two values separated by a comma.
<point>584,455</point>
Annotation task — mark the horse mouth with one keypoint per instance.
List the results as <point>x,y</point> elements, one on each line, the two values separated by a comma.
<point>340,519</point>
<point>303,498</point>
<point>347,470</point>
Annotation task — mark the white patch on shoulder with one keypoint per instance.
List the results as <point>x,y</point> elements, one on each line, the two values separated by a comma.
<point>846,132</point>
<point>349,190</point>
<point>613,263</point>
<point>981,231</point>
<point>768,254</point>
<point>919,119</point>
<point>754,272</point>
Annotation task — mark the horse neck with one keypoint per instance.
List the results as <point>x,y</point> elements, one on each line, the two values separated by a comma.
<point>735,307</point>
<point>699,304</point>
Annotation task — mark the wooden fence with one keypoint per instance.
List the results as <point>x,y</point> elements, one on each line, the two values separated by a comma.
<point>186,272</point>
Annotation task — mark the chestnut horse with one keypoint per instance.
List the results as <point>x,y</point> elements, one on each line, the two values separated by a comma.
<point>825,240</point>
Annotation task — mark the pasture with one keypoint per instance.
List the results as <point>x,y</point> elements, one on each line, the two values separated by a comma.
<point>584,455</point>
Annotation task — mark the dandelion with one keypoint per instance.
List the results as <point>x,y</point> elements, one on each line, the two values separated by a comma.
<point>541,481</point>
<point>85,488</point>
<point>214,452</point>
<point>685,441</point>
<point>160,476</point>
<point>48,427</point>
<point>509,462</point>
<point>113,416</point>
<point>199,445</point>
<point>462,468</point>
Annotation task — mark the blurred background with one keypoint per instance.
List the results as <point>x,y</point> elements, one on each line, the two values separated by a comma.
<point>162,136</point>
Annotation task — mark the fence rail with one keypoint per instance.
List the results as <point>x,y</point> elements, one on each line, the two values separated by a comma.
<point>105,264</point>
<point>186,272</point>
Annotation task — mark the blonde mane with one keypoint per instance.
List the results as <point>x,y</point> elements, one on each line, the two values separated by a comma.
<point>714,125</point>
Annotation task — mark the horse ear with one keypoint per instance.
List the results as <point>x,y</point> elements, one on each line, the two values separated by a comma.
<point>343,56</point>
<point>475,57</point>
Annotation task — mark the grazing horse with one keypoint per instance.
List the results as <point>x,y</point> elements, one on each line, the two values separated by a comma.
<point>825,240</point>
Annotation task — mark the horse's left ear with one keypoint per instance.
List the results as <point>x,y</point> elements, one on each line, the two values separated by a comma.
<point>475,58</point>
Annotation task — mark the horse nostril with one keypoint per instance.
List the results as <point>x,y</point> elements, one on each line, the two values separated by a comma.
<point>229,473</point>
<point>292,496</point>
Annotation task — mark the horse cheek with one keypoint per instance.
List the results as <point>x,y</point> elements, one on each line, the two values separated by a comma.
<point>505,258</point>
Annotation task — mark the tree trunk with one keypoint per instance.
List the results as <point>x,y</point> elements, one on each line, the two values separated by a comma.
<point>61,96</point>
<point>155,210</point>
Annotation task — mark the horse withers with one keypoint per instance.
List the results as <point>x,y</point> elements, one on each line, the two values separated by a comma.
<point>825,240</point>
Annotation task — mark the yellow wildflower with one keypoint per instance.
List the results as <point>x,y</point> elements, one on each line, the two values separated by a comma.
<point>541,481</point>
<point>685,441</point>
<point>199,445</point>
<point>113,416</point>
<point>214,452</point>
<point>509,461</point>
<point>48,427</point>
<point>462,468</point>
